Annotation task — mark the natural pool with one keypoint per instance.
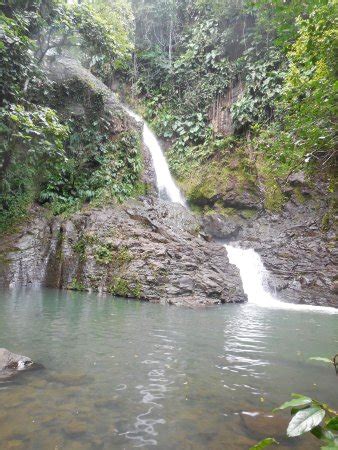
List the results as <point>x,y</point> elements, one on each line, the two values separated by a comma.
<point>122,374</point>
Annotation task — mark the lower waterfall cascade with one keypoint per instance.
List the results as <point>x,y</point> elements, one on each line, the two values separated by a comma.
<point>254,277</point>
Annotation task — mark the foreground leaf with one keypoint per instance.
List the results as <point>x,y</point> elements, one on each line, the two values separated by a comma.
<point>264,443</point>
<point>300,401</point>
<point>305,420</point>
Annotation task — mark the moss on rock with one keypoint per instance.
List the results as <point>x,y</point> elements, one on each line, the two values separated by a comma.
<point>124,288</point>
<point>225,182</point>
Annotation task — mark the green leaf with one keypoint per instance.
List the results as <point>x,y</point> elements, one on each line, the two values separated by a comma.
<point>264,443</point>
<point>305,420</point>
<point>322,433</point>
<point>299,401</point>
<point>293,395</point>
<point>332,424</point>
<point>295,409</point>
<point>319,358</point>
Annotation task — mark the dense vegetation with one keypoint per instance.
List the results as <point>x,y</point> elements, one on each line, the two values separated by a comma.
<point>46,154</point>
<point>268,66</point>
<point>281,57</point>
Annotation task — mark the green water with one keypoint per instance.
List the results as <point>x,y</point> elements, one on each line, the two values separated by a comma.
<point>122,374</point>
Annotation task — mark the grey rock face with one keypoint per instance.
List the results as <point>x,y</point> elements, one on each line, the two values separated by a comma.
<point>11,361</point>
<point>149,249</point>
<point>63,70</point>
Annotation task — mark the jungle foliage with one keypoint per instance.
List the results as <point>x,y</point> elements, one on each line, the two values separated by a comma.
<point>282,54</point>
<point>45,155</point>
<point>179,57</point>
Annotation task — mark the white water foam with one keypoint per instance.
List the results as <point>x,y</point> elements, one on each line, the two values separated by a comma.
<point>165,182</point>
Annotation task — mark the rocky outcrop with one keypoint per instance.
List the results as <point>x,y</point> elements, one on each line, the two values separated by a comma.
<point>148,249</point>
<point>83,94</point>
<point>10,361</point>
<point>220,111</point>
<point>222,184</point>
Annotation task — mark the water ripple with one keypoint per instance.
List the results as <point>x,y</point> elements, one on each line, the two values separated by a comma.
<point>161,379</point>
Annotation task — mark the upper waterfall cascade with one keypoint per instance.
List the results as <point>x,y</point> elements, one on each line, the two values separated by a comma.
<point>165,183</point>
<point>252,271</point>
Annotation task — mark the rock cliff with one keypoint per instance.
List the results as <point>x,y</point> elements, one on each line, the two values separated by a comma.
<point>149,249</point>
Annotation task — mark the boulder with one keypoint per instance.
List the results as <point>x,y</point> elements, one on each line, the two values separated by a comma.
<point>221,227</point>
<point>84,94</point>
<point>11,361</point>
<point>65,70</point>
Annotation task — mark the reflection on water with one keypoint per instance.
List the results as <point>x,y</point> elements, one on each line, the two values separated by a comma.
<point>121,374</point>
<point>246,352</point>
<point>158,385</point>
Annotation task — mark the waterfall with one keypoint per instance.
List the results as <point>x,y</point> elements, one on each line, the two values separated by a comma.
<point>253,274</point>
<point>254,278</point>
<point>165,183</point>
<point>252,271</point>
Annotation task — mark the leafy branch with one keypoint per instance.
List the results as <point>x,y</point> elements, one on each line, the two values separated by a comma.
<point>309,415</point>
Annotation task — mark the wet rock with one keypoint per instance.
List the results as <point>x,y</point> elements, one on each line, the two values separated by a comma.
<point>75,445</point>
<point>11,361</point>
<point>38,383</point>
<point>297,178</point>
<point>97,443</point>
<point>256,423</point>
<point>69,379</point>
<point>148,249</point>
<point>28,271</point>
<point>15,444</point>
<point>106,403</point>
<point>47,419</point>
<point>221,227</point>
